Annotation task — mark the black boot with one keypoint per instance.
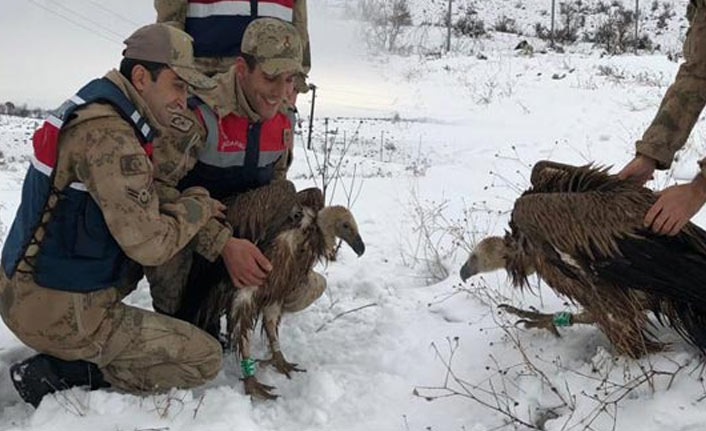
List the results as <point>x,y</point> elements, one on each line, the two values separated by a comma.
<point>43,374</point>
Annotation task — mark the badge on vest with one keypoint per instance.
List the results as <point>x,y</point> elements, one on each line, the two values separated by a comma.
<point>181,123</point>
<point>288,138</point>
<point>134,164</point>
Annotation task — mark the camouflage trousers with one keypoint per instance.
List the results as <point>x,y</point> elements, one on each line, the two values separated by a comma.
<point>168,284</point>
<point>138,351</point>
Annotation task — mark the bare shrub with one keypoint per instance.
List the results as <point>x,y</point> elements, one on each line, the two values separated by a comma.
<point>326,164</point>
<point>439,236</point>
<point>616,33</point>
<point>384,22</point>
<point>505,24</point>
<point>565,397</point>
<point>572,18</point>
<point>470,24</point>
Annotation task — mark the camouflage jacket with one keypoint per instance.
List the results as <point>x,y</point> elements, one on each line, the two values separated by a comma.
<point>174,12</point>
<point>94,149</point>
<point>176,152</point>
<point>685,98</point>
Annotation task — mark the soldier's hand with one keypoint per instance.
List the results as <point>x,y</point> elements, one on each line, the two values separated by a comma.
<point>218,210</point>
<point>676,206</point>
<point>246,265</point>
<point>640,168</point>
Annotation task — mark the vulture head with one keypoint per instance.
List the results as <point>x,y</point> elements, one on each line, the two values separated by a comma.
<point>488,255</point>
<point>338,222</point>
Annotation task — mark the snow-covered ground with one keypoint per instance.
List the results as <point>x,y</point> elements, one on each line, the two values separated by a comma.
<point>459,136</point>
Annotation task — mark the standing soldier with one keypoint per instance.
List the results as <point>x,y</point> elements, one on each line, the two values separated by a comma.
<point>676,117</point>
<point>89,216</point>
<point>218,27</point>
<point>234,139</point>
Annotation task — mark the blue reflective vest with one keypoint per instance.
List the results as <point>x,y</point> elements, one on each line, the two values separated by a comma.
<point>217,26</point>
<point>77,252</point>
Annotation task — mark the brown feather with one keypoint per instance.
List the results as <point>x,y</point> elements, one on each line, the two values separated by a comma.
<point>582,230</point>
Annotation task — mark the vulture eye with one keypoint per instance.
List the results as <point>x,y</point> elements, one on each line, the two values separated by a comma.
<point>346,225</point>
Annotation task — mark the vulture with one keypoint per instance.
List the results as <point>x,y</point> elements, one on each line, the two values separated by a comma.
<point>294,231</point>
<point>581,230</point>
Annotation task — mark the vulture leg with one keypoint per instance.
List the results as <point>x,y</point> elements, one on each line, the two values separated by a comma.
<point>253,387</point>
<point>271,317</point>
<point>241,316</point>
<point>550,322</point>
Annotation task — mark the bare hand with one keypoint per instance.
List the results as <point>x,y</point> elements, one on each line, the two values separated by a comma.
<point>640,168</point>
<point>218,210</point>
<point>676,206</point>
<point>246,265</point>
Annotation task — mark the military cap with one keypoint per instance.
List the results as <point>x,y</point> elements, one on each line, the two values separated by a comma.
<point>275,45</point>
<point>161,43</point>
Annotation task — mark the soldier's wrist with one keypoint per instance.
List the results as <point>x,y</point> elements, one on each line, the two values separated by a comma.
<point>699,185</point>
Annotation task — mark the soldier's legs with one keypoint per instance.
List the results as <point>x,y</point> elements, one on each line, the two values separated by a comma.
<point>165,353</point>
<point>136,350</point>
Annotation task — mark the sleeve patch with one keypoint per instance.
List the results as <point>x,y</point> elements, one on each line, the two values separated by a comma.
<point>134,164</point>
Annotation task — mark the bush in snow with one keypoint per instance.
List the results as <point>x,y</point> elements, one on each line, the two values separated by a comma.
<point>505,24</point>
<point>470,24</point>
<point>384,22</point>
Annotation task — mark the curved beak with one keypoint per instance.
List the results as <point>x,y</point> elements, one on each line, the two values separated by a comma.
<point>470,268</point>
<point>357,245</point>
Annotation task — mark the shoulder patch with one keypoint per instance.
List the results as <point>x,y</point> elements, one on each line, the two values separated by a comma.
<point>134,164</point>
<point>142,196</point>
<point>181,123</point>
<point>288,138</point>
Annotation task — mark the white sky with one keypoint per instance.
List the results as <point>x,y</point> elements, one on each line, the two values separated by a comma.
<point>45,58</point>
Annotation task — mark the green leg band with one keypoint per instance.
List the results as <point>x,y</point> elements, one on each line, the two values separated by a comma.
<point>562,318</point>
<point>247,366</point>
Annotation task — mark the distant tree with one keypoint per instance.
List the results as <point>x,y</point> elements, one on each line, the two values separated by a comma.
<point>9,108</point>
<point>385,19</point>
<point>21,111</point>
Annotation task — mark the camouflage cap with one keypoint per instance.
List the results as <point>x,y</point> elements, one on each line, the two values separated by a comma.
<point>161,43</point>
<point>275,44</point>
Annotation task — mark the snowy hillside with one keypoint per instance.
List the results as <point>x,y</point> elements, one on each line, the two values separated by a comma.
<point>436,149</point>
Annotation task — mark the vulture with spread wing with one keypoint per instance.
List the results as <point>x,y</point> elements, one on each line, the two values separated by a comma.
<point>581,230</point>
<point>294,231</point>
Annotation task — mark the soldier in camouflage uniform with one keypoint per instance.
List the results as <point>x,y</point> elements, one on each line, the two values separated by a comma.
<point>243,105</point>
<point>677,114</point>
<point>89,217</point>
<point>218,27</point>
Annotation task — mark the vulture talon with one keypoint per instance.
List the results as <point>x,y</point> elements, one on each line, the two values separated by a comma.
<point>258,390</point>
<point>533,319</point>
<point>280,364</point>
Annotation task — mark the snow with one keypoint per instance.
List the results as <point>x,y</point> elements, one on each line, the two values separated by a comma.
<point>460,135</point>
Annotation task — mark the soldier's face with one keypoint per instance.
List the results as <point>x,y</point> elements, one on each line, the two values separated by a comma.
<point>264,92</point>
<point>164,96</point>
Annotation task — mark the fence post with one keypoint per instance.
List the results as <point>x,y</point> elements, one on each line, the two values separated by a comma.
<point>448,28</point>
<point>551,31</point>
<point>311,115</point>
<point>637,15</point>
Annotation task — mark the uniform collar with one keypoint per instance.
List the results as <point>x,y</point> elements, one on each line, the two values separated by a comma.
<point>228,97</point>
<point>131,92</point>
